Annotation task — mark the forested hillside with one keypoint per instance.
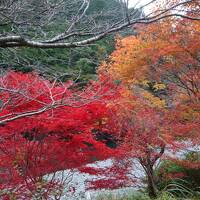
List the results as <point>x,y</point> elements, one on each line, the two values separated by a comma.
<point>78,63</point>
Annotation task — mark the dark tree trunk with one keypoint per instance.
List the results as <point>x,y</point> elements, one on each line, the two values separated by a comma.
<point>147,164</point>
<point>152,189</point>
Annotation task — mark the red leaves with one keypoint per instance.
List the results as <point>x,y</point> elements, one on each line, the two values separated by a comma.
<point>112,177</point>
<point>47,127</point>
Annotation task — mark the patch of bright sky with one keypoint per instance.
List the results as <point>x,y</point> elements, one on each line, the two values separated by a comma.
<point>139,3</point>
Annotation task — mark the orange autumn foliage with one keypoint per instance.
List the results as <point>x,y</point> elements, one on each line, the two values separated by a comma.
<point>168,50</point>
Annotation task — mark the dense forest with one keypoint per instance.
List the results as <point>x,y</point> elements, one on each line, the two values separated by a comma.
<point>74,62</point>
<point>99,100</point>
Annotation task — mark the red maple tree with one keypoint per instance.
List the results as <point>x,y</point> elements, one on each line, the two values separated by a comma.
<point>48,126</point>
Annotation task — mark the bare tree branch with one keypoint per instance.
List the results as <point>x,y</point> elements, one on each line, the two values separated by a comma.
<point>30,22</point>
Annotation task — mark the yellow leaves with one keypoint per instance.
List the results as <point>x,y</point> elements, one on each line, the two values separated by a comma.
<point>156,86</point>
<point>149,97</point>
<point>145,83</point>
<point>159,86</point>
<point>153,101</point>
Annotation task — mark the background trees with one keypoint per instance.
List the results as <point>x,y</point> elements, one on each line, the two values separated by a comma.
<point>27,24</point>
<point>57,61</point>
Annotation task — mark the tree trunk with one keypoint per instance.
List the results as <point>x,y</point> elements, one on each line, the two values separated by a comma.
<point>152,189</point>
<point>147,164</point>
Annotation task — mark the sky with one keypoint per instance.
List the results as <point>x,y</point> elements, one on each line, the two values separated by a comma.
<point>139,3</point>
